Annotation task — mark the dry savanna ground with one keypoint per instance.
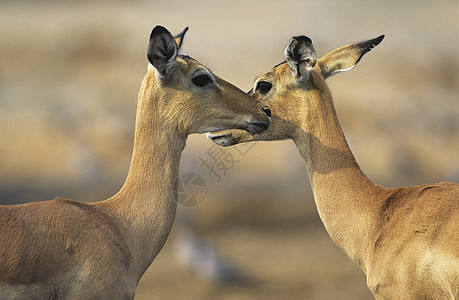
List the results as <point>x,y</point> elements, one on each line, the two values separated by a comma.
<point>69,76</point>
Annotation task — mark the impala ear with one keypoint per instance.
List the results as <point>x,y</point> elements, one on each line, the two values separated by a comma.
<point>345,58</point>
<point>180,37</point>
<point>301,56</point>
<point>162,50</point>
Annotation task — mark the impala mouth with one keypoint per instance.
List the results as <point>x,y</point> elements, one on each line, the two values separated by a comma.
<point>258,127</point>
<point>221,139</point>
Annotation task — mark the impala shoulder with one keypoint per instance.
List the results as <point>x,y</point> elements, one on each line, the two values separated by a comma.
<point>90,215</point>
<point>94,224</point>
<point>392,199</point>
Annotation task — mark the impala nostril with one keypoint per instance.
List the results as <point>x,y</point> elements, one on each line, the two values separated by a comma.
<point>266,110</point>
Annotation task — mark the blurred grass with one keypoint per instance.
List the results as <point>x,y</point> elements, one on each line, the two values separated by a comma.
<point>69,76</point>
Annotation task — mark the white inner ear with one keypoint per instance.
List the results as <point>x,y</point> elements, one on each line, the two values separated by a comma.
<point>345,70</point>
<point>341,70</point>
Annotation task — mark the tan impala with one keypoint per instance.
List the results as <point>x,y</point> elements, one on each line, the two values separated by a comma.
<point>405,239</point>
<point>72,250</point>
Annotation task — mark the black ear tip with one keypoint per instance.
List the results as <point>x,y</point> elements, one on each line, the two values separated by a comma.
<point>302,38</point>
<point>379,39</point>
<point>370,44</point>
<point>159,30</point>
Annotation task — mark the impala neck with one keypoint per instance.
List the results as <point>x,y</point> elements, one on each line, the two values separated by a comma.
<point>342,192</point>
<point>146,204</point>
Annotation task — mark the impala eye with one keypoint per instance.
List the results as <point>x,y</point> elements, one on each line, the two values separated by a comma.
<point>201,80</point>
<point>263,87</point>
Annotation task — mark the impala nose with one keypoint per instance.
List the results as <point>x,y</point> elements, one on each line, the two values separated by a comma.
<point>260,126</point>
<point>266,110</point>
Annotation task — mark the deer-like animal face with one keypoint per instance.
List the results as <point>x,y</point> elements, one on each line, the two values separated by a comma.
<point>192,98</point>
<point>289,88</point>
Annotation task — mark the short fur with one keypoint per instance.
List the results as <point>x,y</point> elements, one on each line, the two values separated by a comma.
<point>64,249</point>
<point>405,239</point>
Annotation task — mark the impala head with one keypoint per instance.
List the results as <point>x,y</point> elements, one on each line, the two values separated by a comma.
<point>290,87</point>
<point>191,97</point>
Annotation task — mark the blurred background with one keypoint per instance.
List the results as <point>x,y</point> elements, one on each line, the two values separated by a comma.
<point>69,76</point>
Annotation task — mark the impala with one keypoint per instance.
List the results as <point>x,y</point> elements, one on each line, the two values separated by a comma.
<point>405,239</point>
<point>73,250</point>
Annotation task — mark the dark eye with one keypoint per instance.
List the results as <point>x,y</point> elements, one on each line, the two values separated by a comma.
<point>263,87</point>
<point>201,80</point>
